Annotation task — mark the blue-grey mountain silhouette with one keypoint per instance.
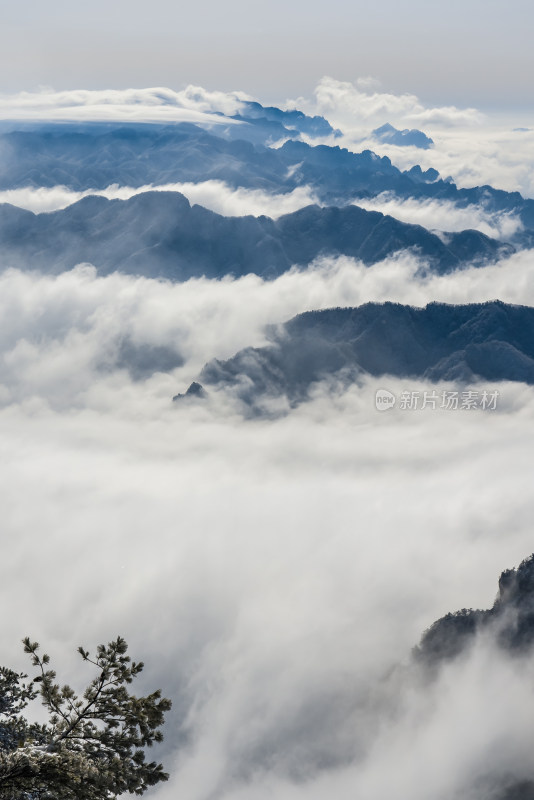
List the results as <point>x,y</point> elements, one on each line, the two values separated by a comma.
<point>94,156</point>
<point>159,234</point>
<point>461,343</point>
<point>405,138</point>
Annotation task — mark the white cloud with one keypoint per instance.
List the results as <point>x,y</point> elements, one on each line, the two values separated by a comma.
<point>492,154</point>
<point>474,148</point>
<point>213,194</point>
<point>159,104</point>
<point>444,215</point>
<point>257,571</point>
<point>268,573</point>
<point>350,106</point>
<point>77,317</point>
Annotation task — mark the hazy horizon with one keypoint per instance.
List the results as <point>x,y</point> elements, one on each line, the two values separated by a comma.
<point>476,54</point>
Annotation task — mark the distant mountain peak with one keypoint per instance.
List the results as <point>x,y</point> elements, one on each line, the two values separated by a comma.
<point>292,119</point>
<point>195,391</point>
<point>403,138</point>
<point>419,176</point>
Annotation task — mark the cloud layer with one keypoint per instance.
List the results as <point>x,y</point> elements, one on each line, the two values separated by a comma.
<point>444,215</point>
<point>348,105</point>
<point>213,194</point>
<point>473,148</point>
<point>159,104</point>
<point>436,215</point>
<point>121,323</point>
<point>256,568</point>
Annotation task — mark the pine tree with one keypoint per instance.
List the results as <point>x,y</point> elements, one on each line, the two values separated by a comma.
<point>92,747</point>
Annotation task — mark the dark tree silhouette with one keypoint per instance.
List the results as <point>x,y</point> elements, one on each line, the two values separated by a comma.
<point>93,745</point>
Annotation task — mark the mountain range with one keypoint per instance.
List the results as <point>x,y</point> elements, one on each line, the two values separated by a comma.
<point>465,344</point>
<point>159,234</point>
<point>262,148</point>
<point>97,155</point>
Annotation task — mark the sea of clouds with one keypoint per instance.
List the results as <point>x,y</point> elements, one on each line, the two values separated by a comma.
<point>274,575</point>
<point>271,574</point>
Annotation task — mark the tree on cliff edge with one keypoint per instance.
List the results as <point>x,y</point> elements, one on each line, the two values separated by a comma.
<point>93,746</point>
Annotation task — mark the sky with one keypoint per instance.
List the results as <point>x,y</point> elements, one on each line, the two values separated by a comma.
<point>468,52</point>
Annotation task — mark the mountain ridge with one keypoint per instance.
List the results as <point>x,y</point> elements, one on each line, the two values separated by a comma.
<point>464,344</point>
<point>97,155</point>
<point>185,241</point>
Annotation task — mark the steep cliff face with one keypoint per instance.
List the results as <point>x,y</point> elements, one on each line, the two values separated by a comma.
<point>510,622</point>
<point>511,619</point>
